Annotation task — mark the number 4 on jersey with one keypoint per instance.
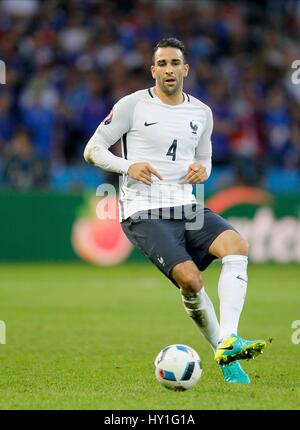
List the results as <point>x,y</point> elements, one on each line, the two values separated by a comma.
<point>172,150</point>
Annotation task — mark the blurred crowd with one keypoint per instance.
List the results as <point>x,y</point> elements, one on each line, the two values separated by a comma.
<point>68,62</point>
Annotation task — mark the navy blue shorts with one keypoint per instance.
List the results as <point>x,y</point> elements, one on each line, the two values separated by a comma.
<point>167,242</point>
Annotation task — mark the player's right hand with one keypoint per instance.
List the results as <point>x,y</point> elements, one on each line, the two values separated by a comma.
<point>142,172</point>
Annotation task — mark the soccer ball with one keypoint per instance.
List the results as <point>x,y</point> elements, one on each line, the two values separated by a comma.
<point>178,367</point>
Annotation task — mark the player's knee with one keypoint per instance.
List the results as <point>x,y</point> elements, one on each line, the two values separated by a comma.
<point>187,277</point>
<point>237,246</point>
<point>190,284</point>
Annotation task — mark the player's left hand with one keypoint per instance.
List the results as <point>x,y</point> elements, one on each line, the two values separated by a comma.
<point>196,174</point>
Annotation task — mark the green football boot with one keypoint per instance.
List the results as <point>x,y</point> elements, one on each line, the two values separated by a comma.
<point>235,348</point>
<point>234,374</point>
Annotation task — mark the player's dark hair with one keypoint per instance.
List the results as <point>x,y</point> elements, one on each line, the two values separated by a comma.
<point>170,42</point>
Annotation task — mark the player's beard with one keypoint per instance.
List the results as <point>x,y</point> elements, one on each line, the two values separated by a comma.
<point>170,91</point>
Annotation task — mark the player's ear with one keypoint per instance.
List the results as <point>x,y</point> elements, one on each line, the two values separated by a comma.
<point>153,70</point>
<point>186,69</point>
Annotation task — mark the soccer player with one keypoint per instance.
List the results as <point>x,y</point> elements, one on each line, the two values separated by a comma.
<point>166,141</point>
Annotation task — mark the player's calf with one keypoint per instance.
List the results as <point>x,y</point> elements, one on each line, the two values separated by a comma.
<point>196,302</point>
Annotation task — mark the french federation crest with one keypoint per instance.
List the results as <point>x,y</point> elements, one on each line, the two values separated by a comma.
<point>194,127</point>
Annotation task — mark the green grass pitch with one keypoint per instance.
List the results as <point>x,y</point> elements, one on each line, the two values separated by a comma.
<point>82,337</point>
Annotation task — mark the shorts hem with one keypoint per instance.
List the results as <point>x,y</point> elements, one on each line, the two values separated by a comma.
<point>178,261</point>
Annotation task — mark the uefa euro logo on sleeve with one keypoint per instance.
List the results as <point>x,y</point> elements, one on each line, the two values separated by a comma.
<point>108,119</point>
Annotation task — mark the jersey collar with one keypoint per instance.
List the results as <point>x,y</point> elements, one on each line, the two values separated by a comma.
<point>186,97</point>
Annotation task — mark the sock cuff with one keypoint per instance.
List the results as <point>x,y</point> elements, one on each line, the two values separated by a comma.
<point>194,296</point>
<point>234,259</point>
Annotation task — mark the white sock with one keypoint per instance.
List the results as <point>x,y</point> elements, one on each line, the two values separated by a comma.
<point>200,308</point>
<point>232,289</point>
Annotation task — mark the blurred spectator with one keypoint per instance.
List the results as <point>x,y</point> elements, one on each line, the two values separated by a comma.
<point>24,169</point>
<point>293,156</point>
<point>96,107</point>
<point>217,99</point>
<point>7,121</point>
<point>246,140</point>
<point>38,102</point>
<point>277,121</point>
<point>17,8</point>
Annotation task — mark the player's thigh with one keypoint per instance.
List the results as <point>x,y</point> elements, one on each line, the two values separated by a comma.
<point>160,240</point>
<point>229,242</point>
<point>199,240</point>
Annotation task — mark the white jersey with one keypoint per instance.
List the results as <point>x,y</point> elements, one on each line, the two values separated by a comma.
<point>168,137</point>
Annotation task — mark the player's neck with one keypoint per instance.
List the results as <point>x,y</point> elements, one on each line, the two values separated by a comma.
<point>175,99</point>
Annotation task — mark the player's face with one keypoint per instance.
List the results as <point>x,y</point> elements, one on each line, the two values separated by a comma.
<point>169,69</point>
